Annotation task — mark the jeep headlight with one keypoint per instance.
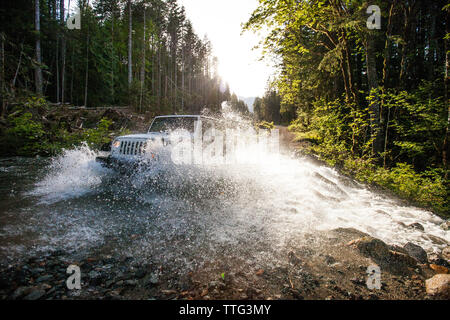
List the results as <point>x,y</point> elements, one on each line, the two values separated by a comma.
<point>116,144</point>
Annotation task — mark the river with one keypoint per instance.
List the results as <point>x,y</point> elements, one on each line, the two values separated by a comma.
<point>185,216</point>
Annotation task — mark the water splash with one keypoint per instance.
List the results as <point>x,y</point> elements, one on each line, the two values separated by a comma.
<point>70,175</point>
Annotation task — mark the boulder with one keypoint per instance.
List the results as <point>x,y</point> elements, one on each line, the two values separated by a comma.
<point>434,258</point>
<point>445,225</point>
<point>393,261</point>
<point>415,251</point>
<point>35,294</point>
<point>446,254</point>
<point>373,248</point>
<point>439,286</point>
<point>438,268</point>
<point>416,226</point>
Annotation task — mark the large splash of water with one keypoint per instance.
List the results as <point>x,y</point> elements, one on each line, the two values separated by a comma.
<point>72,174</point>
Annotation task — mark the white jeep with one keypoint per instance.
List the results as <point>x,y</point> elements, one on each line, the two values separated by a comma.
<point>156,143</point>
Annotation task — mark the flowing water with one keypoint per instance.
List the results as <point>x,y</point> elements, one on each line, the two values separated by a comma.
<point>188,215</point>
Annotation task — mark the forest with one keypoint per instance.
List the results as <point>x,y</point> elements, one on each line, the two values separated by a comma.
<point>373,102</point>
<point>141,54</point>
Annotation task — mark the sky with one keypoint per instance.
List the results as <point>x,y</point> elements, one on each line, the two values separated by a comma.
<point>221,21</point>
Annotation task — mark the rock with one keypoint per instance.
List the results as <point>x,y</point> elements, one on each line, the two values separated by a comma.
<point>446,254</point>
<point>169,292</point>
<point>434,258</point>
<point>35,294</point>
<point>400,261</point>
<point>437,240</point>
<point>44,278</point>
<point>139,274</point>
<point>95,277</point>
<point>372,247</point>
<point>438,268</point>
<point>109,283</point>
<point>398,249</point>
<point>216,284</point>
<point>439,286</point>
<point>37,271</point>
<point>20,292</point>
<point>417,252</point>
<point>446,225</point>
<point>153,279</point>
<point>394,261</point>
<point>130,282</point>
<point>329,260</point>
<point>417,226</point>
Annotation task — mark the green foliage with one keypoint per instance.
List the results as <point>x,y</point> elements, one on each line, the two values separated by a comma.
<point>427,188</point>
<point>266,125</point>
<point>25,135</point>
<point>336,130</point>
<point>98,136</point>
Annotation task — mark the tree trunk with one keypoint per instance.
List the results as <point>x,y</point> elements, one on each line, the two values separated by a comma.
<point>2,76</point>
<point>387,45</point>
<point>112,57</point>
<point>38,70</point>
<point>142,67</point>
<point>445,147</point>
<point>86,76</point>
<point>130,43</point>
<point>386,63</point>
<point>63,50</point>
<point>374,106</point>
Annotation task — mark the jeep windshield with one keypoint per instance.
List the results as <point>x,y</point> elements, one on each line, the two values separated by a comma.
<point>173,123</point>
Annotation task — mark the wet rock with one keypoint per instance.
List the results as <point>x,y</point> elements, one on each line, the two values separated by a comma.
<point>400,262</point>
<point>416,226</point>
<point>394,261</point>
<point>446,225</point>
<point>20,292</point>
<point>44,278</point>
<point>417,252</point>
<point>329,260</point>
<point>439,286</point>
<point>37,271</point>
<point>139,274</point>
<point>58,252</point>
<point>153,279</point>
<point>436,240</point>
<point>398,249</point>
<point>96,278</point>
<point>372,247</point>
<point>446,254</point>
<point>438,268</point>
<point>358,281</point>
<point>130,283</point>
<point>216,284</point>
<point>35,294</point>
<point>435,258</point>
<point>109,283</point>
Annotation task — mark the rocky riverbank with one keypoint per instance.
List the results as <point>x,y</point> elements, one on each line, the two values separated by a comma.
<point>328,265</point>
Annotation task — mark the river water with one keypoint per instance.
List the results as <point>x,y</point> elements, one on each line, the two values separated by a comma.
<point>185,215</point>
